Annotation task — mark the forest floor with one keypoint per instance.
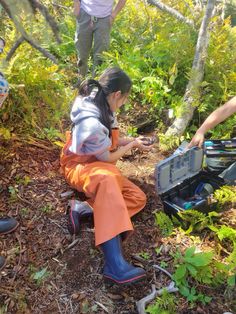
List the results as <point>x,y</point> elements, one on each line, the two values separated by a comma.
<point>45,273</point>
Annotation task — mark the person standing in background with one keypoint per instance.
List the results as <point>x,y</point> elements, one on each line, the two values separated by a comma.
<point>94,19</point>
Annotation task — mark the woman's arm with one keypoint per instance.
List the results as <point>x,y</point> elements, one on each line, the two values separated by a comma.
<point>125,140</point>
<point>135,143</point>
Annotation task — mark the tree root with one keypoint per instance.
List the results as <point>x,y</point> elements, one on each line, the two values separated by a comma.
<point>141,304</point>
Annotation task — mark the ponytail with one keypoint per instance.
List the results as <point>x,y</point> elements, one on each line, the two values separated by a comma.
<point>100,100</point>
<point>87,86</point>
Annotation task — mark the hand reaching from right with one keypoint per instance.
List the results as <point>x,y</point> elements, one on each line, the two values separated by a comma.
<point>197,140</point>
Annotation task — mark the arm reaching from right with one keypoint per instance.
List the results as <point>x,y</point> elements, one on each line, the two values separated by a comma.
<point>216,117</point>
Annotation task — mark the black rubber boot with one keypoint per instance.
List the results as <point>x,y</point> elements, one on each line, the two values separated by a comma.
<point>7,225</point>
<point>117,269</point>
<point>77,211</point>
<point>2,262</point>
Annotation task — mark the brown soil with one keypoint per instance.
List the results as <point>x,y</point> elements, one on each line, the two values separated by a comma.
<point>72,282</point>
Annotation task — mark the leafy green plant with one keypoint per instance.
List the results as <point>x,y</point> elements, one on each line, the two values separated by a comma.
<point>226,272</point>
<point>158,250</point>
<point>164,223</point>
<point>3,309</point>
<point>225,232</point>
<point>5,133</point>
<point>13,190</point>
<point>132,131</point>
<point>47,208</point>
<point>165,304</point>
<point>40,92</point>
<point>53,135</point>
<point>168,142</point>
<point>24,211</point>
<point>163,264</point>
<point>40,276</point>
<point>226,194</point>
<point>145,255</point>
<point>227,236</point>
<point>195,221</point>
<point>193,265</point>
<point>25,180</point>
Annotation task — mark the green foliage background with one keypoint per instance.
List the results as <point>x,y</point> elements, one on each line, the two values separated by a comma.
<point>153,47</point>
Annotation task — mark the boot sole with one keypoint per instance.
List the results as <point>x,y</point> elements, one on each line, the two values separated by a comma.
<point>110,280</point>
<point>9,231</point>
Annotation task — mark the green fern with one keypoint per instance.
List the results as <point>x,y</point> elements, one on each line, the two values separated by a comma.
<point>195,221</point>
<point>165,304</point>
<point>226,194</point>
<point>164,223</point>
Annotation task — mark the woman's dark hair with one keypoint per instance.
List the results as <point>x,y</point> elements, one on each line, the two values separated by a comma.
<point>112,80</point>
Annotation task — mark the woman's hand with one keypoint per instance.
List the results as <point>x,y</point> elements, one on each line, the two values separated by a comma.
<point>136,143</point>
<point>143,143</point>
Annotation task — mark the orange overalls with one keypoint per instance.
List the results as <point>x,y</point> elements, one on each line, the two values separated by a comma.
<point>113,197</point>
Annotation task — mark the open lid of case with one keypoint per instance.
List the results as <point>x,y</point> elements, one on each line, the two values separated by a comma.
<point>183,164</point>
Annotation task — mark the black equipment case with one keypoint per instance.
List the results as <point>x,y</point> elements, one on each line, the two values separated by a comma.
<point>182,184</point>
<point>220,154</point>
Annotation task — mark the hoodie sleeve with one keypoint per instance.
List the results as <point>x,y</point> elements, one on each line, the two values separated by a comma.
<point>91,138</point>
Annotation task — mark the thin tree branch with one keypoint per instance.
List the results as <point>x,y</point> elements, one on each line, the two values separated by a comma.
<point>59,5</point>
<point>6,8</point>
<point>14,48</point>
<point>189,7</point>
<point>36,4</point>
<point>45,52</point>
<point>171,11</point>
<point>24,36</point>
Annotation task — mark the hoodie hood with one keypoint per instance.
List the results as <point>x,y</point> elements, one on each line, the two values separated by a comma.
<point>89,135</point>
<point>84,108</point>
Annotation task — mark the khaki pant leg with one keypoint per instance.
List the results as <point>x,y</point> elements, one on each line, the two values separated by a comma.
<point>102,30</point>
<point>83,40</point>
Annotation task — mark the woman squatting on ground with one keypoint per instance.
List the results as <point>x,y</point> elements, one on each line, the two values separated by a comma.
<point>88,163</point>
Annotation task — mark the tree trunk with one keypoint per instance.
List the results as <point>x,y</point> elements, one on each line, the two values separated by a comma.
<point>191,96</point>
<point>223,10</point>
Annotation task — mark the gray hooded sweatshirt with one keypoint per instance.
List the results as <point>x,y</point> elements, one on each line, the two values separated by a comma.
<point>89,135</point>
